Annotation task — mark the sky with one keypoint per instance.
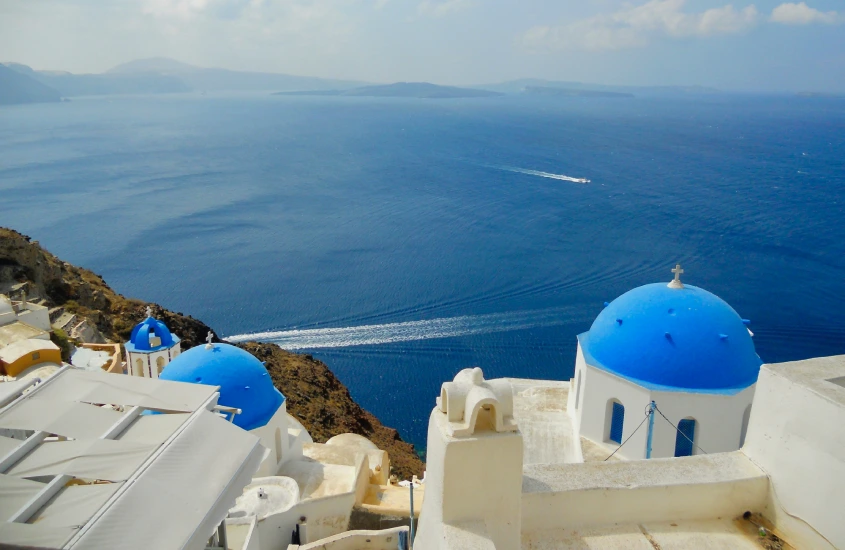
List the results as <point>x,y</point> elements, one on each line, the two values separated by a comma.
<point>754,46</point>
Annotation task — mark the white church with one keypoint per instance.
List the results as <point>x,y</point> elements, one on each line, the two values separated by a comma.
<point>151,347</point>
<point>671,434</point>
<point>675,351</point>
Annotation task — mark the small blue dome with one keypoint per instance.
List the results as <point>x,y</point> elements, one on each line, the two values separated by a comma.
<point>683,339</point>
<point>244,382</point>
<point>144,334</point>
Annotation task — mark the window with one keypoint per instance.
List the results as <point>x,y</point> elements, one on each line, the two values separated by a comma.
<point>577,389</point>
<point>685,437</point>
<point>159,365</point>
<point>617,419</point>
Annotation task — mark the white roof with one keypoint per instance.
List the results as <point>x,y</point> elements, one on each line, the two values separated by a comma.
<point>16,350</point>
<point>89,359</point>
<point>101,387</point>
<point>5,305</point>
<point>17,331</point>
<point>11,389</point>
<point>121,479</point>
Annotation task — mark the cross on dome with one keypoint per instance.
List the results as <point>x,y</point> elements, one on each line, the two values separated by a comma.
<point>209,337</point>
<point>149,311</point>
<point>676,282</point>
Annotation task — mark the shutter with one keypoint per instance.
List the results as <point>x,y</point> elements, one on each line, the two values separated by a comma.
<point>685,437</point>
<point>616,422</point>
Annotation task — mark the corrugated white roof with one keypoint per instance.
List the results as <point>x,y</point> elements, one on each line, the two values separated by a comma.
<point>59,417</point>
<point>107,388</point>
<point>184,493</point>
<point>114,478</point>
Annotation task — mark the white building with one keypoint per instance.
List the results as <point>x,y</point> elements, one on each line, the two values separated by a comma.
<point>561,465</point>
<point>82,466</point>
<point>473,492</point>
<point>781,490</point>
<point>150,348</point>
<point>300,486</point>
<point>97,460</point>
<point>247,389</point>
<point>25,345</point>
<point>679,347</point>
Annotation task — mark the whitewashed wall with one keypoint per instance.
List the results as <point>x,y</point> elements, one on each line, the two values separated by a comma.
<point>384,539</point>
<point>567,496</point>
<point>150,360</point>
<point>325,517</point>
<point>796,435</point>
<point>720,418</point>
<point>268,435</point>
<point>474,479</point>
<point>37,316</point>
<point>597,389</point>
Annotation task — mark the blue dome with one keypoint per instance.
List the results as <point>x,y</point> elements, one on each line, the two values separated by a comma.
<point>243,380</point>
<point>683,339</point>
<point>143,337</point>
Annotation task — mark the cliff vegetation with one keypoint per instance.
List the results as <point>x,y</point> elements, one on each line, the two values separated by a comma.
<point>314,394</point>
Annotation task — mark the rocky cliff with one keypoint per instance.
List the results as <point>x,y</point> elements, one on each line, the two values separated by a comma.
<point>314,394</point>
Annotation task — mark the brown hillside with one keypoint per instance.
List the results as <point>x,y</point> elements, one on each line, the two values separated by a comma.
<point>314,395</point>
<point>323,404</point>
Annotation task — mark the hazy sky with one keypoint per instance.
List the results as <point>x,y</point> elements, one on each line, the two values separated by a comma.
<point>761,45</point>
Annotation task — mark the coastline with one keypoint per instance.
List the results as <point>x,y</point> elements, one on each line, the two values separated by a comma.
<point>316,397</point>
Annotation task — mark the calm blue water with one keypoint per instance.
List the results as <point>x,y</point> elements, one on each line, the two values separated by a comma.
<point>407,224</point>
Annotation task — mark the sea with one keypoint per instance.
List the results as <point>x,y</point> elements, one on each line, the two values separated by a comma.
<point>401,240</point>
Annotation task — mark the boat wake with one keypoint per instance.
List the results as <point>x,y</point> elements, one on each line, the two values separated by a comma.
<point>538,173</point>
<point>445,327</point>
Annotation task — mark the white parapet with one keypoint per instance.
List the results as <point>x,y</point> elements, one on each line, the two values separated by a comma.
<point>474,475</point>
<point>795,435</point>
<point>570,496</point>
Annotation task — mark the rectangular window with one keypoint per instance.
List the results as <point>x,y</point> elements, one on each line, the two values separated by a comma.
<point>616,423</point>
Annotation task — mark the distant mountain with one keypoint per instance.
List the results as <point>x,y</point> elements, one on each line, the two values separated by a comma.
<point>209,79</point>
<point>69,84</point>
<point>569,92</point>
<point>162,65</point>
<point>422,90</point>
<point>162,75</point>
<point>21,88</point>
<point>518,86</point>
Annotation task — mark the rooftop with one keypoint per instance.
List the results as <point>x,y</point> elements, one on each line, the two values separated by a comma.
<point>15,351</point>
<point>822,375</point>
<point>77,458</point>
<point>539,407</point>
<point>667,337</point>
<point>17,331</point>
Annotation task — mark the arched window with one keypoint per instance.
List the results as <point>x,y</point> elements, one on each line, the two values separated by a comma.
<point>139,367</point>
<point>159,365</point>
<point>617,420</point>
<point>746,416</point>
<point>577,389</point>
<point>685,438</point>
